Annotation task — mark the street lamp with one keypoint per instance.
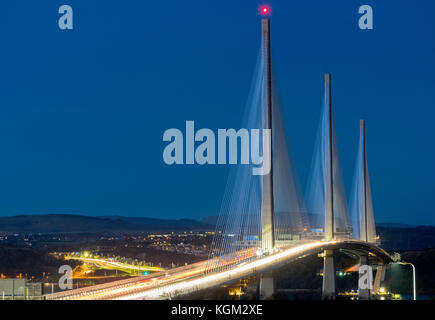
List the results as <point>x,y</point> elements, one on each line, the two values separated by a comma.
<point>413,276</point>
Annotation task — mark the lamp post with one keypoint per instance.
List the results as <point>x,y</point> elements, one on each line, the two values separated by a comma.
<point>413,277</point>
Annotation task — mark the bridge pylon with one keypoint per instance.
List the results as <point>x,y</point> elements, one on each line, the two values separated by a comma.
<point>329,164</point>
<point>363,221</point>
<point>267,202</point>
<point>367,223</point>
<point>329,277</point>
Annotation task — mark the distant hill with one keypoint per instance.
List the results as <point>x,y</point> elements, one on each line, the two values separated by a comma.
<point>393,236</point>
<point>210,220</point>
<point>408,238</point>
<point>157,222</point>
<point>393,225</point>
<point>68,223</point>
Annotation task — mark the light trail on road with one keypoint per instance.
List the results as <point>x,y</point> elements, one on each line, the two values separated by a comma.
<point>187,279</point>
<point>211,280</point>
<point>116,265</point>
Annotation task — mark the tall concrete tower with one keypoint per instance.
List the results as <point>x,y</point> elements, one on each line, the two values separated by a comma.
<point>267,205</point>
<point>329,166</point>
<point>365,205</point>
<point>329,277</point>
<point>363,227</point>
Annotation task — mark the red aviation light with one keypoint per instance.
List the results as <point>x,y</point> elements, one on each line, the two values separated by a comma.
<point>265,10</point>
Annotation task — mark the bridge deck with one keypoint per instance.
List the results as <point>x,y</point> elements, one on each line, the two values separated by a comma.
<point>191,278</point>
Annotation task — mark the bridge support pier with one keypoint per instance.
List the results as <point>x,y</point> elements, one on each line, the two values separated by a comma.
<point>365,281</point>
<point>329,276</point>
<point>380,276</point>
<point>267,287</point>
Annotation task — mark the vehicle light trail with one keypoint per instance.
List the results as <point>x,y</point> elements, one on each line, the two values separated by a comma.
<point>114,264</point>
<point>211,280</point>
<point>190,278</point>
<point>195,277</point>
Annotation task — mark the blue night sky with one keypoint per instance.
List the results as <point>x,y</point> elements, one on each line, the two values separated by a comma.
<point>83,111</point>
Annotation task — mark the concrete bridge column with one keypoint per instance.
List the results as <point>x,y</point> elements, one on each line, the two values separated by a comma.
<point>329,290</point>
<point>380,276</point>
<point>267,287</point>
<point>365,281</point>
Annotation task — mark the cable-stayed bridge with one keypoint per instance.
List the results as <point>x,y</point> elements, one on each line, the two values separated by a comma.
<point>264,220</point>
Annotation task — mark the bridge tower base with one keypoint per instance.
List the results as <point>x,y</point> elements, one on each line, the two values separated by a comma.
<point>267,287</point>
<point>380,276</point>
<point>329,277</point>
<point>364,290</point>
